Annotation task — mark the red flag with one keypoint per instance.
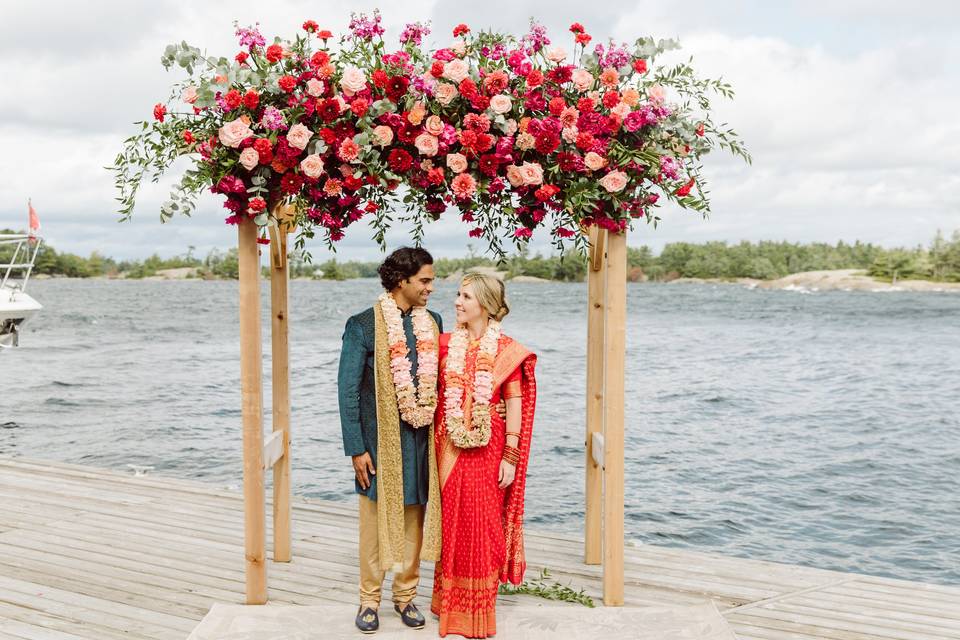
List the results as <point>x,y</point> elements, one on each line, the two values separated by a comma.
<point>34,220</point>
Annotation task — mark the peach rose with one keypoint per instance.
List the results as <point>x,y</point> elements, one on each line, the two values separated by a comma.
<point>312,166</point>
<point>514,175</point>
<point>234,132</point>
<point>556,54</point>
<point>614,181</point>
<point>610,77</point>
<point>417,114</point>
<point>457,162</point>
<point>631,97</point>
<point>501,103</point>
<point>433,125</point>
<point>352,80</point>
<point>657,93</point>
<point>445,93</point>
<point>314,87</point>
<point>427,144</point>
<point>189,94</point>
<point>299,136</point>
<point>249,158</point>
<point>532,173</point>
<point>594,161</point>
<point>383,135</point>
<point>582,80</point>
<point>525,141</point>
<point>456,70</point>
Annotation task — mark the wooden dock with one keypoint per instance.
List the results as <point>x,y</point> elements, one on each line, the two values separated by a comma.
<point>89,553</point>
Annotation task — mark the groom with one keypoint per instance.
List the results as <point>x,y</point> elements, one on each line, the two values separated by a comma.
<point>387,389</point>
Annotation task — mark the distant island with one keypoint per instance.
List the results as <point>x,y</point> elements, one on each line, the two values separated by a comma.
<point>764,264</point>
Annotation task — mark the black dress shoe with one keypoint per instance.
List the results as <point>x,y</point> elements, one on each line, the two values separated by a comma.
<point>410,615</point>
<point>367,620</point>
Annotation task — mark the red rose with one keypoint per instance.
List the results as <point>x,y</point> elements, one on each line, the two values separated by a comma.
<point>436,69</point>
<point>188,136</point>
<point>232,98</point>
<point>274,53</point>
<point>159,111</point>
<point>310,26</point>
<point>251,99</point>
<point>583,38</point>
<point>611,99</point>
<point>287,83</point>
<point>380,78</point>
<point>400,161</point>
<point>640,65</point>
<point>241,57</point>
<point>460,30</point>
<point>576,27</point>
<point>534,78</point>
<point>685,189</point>
<point>319,59</point>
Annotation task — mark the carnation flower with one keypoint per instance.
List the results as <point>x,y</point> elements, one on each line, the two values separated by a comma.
<point>159,111</point>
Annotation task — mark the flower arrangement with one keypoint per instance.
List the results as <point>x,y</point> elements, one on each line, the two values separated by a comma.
<point>513,133</point>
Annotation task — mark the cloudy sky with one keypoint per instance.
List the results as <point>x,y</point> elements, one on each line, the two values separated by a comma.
<point>850,108</point>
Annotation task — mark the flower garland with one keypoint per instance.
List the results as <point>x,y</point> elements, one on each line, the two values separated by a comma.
<point>417,405</point>
<point>479,435</point>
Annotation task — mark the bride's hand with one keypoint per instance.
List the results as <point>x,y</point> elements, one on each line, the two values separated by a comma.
<point>507,473</point>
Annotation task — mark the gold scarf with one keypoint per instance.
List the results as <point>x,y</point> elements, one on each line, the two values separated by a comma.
<point>390,464</point>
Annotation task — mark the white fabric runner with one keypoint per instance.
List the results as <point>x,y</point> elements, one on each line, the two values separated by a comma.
<point>514,622</point>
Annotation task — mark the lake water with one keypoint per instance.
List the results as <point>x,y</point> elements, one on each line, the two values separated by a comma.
<point>819,429</point>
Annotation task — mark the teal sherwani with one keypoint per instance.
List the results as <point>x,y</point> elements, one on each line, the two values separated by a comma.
<point>356,391</point>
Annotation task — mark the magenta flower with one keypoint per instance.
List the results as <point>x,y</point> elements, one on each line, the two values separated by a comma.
<point>250,36</point>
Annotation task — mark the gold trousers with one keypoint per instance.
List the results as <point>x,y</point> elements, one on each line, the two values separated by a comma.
<point>371,575</point>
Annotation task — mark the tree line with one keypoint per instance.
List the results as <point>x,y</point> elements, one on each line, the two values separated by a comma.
<point>766,260</point>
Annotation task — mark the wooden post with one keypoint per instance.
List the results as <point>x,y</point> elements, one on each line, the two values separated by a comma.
<point>280,355</point>
<point>615,334</point>
<point>251,384</point>
<point>593,491</point>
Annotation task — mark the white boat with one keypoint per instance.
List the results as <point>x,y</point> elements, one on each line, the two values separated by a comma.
<point>16,307</point>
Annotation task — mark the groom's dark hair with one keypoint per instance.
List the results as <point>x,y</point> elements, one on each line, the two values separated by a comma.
<point>403,263</point>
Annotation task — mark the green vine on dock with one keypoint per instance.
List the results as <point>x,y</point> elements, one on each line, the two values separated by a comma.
<point>551,591</point>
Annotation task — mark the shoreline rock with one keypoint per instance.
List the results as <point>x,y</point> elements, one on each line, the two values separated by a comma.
<point>832,280</point>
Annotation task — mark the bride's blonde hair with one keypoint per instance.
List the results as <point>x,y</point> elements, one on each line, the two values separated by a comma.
<point>490,292</point>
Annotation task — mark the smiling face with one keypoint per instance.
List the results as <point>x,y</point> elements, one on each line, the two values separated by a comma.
<point>416,290</point>
<point>467,306</point>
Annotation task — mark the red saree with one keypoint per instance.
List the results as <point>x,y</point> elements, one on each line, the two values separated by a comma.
<point>482,524</point>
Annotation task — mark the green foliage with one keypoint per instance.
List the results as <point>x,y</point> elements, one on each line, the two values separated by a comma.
<point>548,590</point>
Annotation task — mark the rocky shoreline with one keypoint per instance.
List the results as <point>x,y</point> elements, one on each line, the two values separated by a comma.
<point>833,280</point>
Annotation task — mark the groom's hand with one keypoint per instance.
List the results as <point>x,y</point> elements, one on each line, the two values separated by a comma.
<point>363,468</point>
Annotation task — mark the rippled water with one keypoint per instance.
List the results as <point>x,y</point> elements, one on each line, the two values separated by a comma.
<point>814,429</point>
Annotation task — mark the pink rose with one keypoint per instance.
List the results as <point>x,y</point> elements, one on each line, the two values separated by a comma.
<point>501,104</point>
<point>299,136</point>
<point>514,176</point>
<point>463,186</point>
<point>314,87</point>
<point>234,132</point>
<point>383,135</point>
<point>614,181</point>
<point>352,80</point>
<point>556,54</point>
<point>434,125</point>
<point>532,173</point>
<point>312,166</point>
<point>249,158</point>
<point>594,161</point>
<point>445,93</point>
<point>456,70</point>
<point>189,94</point>
<point>457,162</point>
<point>582,80</point>
<point>427,144</point>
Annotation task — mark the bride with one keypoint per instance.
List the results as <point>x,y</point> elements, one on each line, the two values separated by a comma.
<point>487,396</point>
